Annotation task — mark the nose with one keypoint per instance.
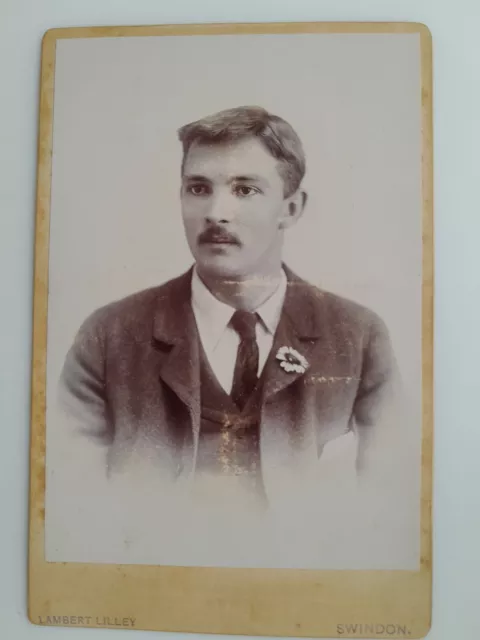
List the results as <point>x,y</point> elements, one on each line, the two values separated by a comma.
<point>220,210</point>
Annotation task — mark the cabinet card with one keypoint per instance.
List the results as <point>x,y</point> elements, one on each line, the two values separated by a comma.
<point>232,373</point>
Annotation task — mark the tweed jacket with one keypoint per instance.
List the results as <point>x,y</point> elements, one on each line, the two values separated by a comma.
<point>131,380</point>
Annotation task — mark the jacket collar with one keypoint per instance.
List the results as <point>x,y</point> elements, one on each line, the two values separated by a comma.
<point>302,308</point>
<point>173,310</point>
<point>174,331</point>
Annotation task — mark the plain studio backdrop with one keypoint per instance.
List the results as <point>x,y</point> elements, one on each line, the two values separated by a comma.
<point>116,224</point>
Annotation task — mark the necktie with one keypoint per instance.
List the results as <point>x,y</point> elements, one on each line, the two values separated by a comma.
<point>246,366</point>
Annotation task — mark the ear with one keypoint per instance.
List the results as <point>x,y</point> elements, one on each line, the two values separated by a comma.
<point>294,207</point>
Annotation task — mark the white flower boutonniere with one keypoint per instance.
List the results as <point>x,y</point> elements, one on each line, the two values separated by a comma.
<point>291,361</point>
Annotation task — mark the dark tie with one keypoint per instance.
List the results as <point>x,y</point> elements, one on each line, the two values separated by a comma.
<point>246,366</point>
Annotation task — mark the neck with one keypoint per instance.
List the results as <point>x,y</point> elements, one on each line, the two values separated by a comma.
<point>247,293</point>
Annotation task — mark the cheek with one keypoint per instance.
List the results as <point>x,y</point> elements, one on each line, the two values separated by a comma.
<point>191,221</point>
<point>260,234</point>
<point>192,207</point>
<point>263,220</point>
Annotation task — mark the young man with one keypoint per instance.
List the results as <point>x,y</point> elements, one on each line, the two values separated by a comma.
<point>237,368</point>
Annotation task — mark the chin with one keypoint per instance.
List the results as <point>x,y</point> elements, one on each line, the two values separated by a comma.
<point>219,269</point>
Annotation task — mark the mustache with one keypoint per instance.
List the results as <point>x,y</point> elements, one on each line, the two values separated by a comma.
<point>217,234</point>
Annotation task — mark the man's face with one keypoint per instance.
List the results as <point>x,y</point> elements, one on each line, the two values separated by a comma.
<point>234,209</point>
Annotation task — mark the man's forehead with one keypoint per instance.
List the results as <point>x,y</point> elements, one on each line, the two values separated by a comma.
<point>242,157</point>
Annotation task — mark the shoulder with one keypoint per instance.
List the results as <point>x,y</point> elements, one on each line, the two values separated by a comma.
<point>332,312</point>
<point>345,309</point>
<point>133,311</point>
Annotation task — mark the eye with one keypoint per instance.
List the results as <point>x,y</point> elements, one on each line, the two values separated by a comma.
<point>244,190</point>
<point>198,189</point>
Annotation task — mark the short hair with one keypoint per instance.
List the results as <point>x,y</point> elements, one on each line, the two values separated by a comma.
<point>275,133</point>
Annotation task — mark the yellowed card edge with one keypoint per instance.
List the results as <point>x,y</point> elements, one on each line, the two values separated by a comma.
<point>236,29</point>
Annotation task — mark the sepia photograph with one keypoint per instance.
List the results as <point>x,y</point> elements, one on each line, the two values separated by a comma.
<point>234,334</point>
<point>234,302</point>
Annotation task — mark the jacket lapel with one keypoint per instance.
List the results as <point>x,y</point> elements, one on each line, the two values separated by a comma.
<point>298,328</point>
<point>288,437</point>
<point>175,336</point>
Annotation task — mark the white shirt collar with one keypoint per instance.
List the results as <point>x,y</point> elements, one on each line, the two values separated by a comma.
<point>213,316</point>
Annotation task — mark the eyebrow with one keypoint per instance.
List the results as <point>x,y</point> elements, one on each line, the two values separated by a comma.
<point>245,178</point>
<point>196,178</point>
<point>249,178</point>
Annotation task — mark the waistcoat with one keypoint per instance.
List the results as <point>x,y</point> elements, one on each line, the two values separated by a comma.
<point>229,437</point>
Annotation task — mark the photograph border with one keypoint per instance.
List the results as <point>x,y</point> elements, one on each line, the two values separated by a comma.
<point>272,602</point>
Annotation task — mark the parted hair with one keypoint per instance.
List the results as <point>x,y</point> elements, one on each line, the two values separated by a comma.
<point>275,133</point>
